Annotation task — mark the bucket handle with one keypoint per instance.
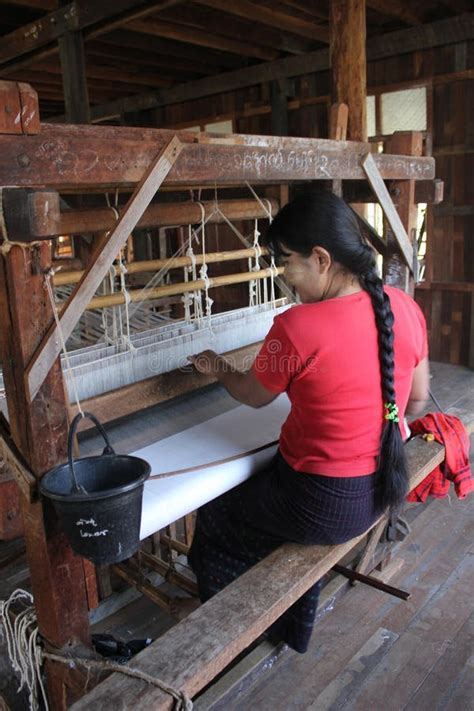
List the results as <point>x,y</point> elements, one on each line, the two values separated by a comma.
<point>108,449</point>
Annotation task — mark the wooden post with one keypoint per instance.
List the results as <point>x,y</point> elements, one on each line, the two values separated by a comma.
<point>73,66</point>
<point>39,431</point>
<point>395,271</point>
<point>348,62</point>
<point>338,119</point>
<point>279,95</point>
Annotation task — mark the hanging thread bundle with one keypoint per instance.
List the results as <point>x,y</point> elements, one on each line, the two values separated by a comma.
<point>27,656</point>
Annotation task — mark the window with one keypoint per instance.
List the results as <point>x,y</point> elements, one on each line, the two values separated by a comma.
<point>219,127</point>
<point>371,123</point>
<point>404,111</point>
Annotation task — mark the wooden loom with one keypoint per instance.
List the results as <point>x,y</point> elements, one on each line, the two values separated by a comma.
<point>40,161</point>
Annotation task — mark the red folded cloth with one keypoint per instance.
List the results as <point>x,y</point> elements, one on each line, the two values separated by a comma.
<point>449,431</point>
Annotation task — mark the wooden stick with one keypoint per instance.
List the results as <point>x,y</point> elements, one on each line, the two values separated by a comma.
<point>373,582</point>
<point>159,215</point>
<point>154,265</point>
<point>50,347</point>
<point>170,575</point>
<point>137,295</point>
<point>379,188</point>
<point>136,580</point>
<point>217,463</point>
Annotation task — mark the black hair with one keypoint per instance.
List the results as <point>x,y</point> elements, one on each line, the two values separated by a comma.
<point>318,218</point>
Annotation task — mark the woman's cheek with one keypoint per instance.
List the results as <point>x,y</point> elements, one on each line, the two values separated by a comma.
<point>294,274</point>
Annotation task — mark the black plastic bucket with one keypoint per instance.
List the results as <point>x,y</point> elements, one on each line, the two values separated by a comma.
<point>99,500</point>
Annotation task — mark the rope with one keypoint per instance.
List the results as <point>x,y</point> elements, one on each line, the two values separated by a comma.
<point>27,656</point>
<point>193,298</point>
<point>49,288</point>
<point>203,271</point>
<point>126,340</point>
<point>268,208</point>
<point>254,286</point>
<point>182,700</point>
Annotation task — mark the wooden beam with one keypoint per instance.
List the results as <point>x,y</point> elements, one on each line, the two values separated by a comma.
<point>348,63</point>
<point>272,17</point>
<point>11,458</point>
<point>395,273</point>
<point>96,18</point>
<point>194,15</point>
<point>113,74</point>
<point>279,94</point>
<point>392,44</point>
<point>389,210</point>
<point>73,70</point>
<point>69,18</point>
<point>178,288</point>
<point>426,191</point>
<point>31,215</point>
<point>39,431</point>
<point>20,113</point>
<point>78,156</point>
<point>46,5</point>
<point>50,348</point>
<point>405,11</point>
<point>170,30</point>
<point>154,265</point>
<point>338,122</point>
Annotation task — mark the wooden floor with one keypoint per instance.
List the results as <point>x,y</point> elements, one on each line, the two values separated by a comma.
<point>376,652</point>
<point>372,651</point>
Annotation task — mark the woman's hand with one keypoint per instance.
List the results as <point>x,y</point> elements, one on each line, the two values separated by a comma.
<point>206,362</point>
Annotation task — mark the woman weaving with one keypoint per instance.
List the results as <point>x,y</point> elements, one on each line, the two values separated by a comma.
<point>352,358</point>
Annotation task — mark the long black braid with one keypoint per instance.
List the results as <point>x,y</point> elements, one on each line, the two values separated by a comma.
<point>392,470</point>
<point>320,218</point>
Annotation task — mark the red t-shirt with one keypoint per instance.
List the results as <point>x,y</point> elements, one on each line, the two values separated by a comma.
<point>325,356</point>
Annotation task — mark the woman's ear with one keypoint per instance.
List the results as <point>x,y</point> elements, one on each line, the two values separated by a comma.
<point>323,259</point>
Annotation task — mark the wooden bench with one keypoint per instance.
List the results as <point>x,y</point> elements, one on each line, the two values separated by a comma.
<point>191,654</point>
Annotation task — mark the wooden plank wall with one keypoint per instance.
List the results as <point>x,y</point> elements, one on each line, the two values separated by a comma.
<point>448,297</point>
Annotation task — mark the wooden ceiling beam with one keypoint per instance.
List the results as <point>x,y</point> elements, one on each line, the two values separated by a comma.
<point>210,20</point>
<point>94,18</point>
<point>308,7</point>
<point>170,30</point>
<point>46,5</point>
<point>273,18</point>
<point>97,50</point>
<point>109,73</point>
<point>70,18</point>
<point>435,34</point>
<point>409,12</point>
<point>132,66</point>
<point>458,5</point>
<point>162,46</point>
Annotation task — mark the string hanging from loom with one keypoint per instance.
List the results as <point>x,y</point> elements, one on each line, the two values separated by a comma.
<point>70,371</point>
<point>254,266</point>
<point>203,271</point>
